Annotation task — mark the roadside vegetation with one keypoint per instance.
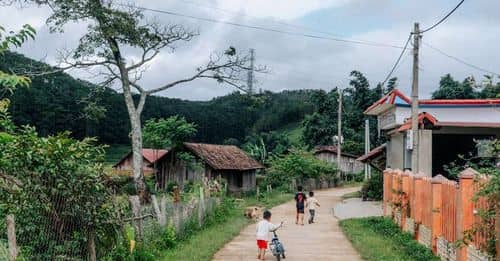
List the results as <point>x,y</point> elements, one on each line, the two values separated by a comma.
<point>378,238</point>
<point>226,223</point>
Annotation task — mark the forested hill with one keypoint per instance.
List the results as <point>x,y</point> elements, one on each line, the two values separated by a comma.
<point>58,102</point>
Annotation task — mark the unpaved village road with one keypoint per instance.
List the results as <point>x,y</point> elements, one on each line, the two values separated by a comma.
<point>323,240</point>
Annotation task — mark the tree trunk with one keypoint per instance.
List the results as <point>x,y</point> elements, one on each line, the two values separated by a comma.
<point>137,158</point>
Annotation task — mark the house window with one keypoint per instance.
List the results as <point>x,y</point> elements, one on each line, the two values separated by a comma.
<point>239,180</point>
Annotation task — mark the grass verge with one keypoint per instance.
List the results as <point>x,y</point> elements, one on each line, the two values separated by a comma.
<point>203,244</point>
<point>355,194</point>
<point>380,239</point>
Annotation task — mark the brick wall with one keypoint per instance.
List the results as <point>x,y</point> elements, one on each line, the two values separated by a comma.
<point>409,225</point>
<point>424,235</point>
<point>474,254</point>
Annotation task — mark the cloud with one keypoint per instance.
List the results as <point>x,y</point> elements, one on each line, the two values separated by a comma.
<point>298,62</point>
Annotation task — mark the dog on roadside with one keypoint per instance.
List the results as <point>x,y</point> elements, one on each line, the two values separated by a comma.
<point>252,212</point>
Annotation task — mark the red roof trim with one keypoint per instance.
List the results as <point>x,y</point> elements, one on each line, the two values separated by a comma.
<point>392,97</point>
<point>421,117</point>
<point>373,153</point>
<point>467,124</point>
<point>462,102</point>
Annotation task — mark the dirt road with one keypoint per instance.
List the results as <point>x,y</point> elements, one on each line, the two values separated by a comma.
<point>323,240</point>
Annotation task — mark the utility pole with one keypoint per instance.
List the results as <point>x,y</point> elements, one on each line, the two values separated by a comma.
<point>367,148</point>
<point>250,79</point>
<point>414,101</point>
<point>339,131</point>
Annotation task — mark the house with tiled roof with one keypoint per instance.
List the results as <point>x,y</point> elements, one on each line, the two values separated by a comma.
<point>149,156</point>
<point>447,129</point>
<point>209,161</point>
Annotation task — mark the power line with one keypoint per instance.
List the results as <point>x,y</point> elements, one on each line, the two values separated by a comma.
<point>397,61</point>
<point>261,28</point>
<point>301,27</point>
<point>444,18</point>
<point>460,60</point>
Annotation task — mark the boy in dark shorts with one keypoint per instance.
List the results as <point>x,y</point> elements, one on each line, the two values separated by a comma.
<point>300,200</point>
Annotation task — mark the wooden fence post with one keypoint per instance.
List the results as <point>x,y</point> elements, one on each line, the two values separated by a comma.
<point>257,192</point>
<point>465,215</point>
<point>437,213</point>
<point>91,245</point>
<point>159,214</point>
<point>11,237</point>
<point>201,207</point>
<point>135,204</point>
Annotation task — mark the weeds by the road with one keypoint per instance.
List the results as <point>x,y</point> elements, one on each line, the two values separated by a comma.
<point>355,194</point>
<point>380,239</point>
<point>203,244</point>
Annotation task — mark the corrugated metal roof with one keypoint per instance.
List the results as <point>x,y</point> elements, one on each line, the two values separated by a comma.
<point>332,149</point>
<point>223,157</point>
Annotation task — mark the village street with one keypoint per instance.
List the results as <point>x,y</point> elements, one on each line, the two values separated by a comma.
<point>323,240</point>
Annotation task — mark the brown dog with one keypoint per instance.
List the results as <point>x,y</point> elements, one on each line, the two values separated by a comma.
<point>252,212</point>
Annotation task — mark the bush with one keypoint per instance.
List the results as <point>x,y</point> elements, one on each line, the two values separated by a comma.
<point>373,189</point>
<point>298,165</point>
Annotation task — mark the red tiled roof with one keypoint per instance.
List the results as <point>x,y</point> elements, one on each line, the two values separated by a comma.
<point>373,153</point>
<point>332,149</point>
<point>223,157</point>
<point>423,116</point>
<point>151,155</point>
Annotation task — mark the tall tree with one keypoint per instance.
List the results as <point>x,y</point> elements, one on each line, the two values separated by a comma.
<point>392,84</point>
<point>449,88</point>
<point>115,35</point>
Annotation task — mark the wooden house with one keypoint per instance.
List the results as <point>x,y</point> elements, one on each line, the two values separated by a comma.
<point>348,162</point>
<point>150,157</point>
<point>209,161</point>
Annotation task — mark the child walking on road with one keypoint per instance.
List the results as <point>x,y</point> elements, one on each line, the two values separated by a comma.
<point>311,203</point>
<point>300,199</point>
<point>263,228</point>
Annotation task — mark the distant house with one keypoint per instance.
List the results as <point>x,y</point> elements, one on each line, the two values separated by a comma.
<point>150,157</point>
<point>210,161</point>
<point>348,162</point>
<point>446,129</point>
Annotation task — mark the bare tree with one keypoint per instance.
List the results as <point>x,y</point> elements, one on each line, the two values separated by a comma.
<point>115,30</point>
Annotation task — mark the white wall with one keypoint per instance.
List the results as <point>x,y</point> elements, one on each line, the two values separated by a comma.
<point>462,114</point>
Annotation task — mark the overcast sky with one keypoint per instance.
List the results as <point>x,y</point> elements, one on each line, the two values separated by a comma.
<point>472,33</point>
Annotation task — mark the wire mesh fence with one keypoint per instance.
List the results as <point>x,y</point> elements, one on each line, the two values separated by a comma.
<point>57,233</point>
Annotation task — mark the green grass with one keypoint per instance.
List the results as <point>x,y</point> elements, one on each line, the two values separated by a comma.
<point>380,239</point>
<point>203,244</point>
<point>115,152</point>
<point>294,133</point>
<point>355,194</point>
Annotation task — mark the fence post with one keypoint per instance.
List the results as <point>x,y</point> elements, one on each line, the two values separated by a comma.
<point>159,214</point>
<point>257,192</point>
<point>11,237</point>
<point>437,214</point>
<point>135,204</point>
<point>386,185</point>
<point>91,244</point>
<point>201,207</point>
<point>465,217</point>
